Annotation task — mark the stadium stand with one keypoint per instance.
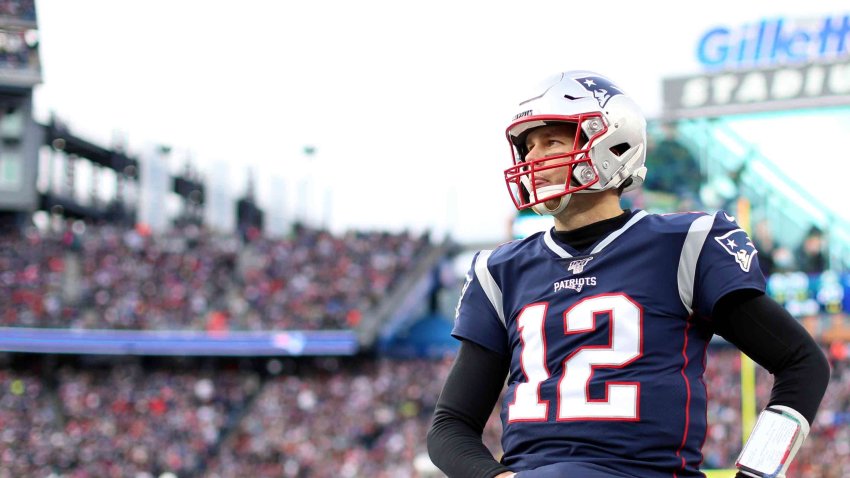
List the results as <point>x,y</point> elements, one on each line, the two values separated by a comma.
<point>72,406</point>
<point>296,413</point>
<point>108,277</point>
<point>296,417</point>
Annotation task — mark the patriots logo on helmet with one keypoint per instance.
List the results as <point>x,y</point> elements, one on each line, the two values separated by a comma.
<point>738,244</point>
<point>601,89</point>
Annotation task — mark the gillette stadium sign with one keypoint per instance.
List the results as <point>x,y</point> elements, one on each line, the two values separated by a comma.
<point>772,64</point>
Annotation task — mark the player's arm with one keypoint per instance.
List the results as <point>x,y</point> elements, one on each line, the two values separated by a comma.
<point>763,330</point>
<point>471,390</point>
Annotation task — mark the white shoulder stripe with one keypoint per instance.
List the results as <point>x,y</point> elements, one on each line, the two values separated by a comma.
<point>688,260</point>
<point>482,273</point>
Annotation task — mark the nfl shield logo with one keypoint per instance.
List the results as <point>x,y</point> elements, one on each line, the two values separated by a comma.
<point>577,266</point>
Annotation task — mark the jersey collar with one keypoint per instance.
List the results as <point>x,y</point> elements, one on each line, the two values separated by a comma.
<point>555,247</point>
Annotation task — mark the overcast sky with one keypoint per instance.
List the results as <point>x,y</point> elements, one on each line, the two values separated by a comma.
<point>405,102</point>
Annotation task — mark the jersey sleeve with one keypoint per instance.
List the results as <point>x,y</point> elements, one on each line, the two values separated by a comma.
<point>478,317</point>
<point>728,262</point>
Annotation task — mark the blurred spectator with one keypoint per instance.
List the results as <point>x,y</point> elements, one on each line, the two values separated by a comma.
<point>783,260</point>
<point>763,242</point>
<point>811,256</point>
<point>673,167</point>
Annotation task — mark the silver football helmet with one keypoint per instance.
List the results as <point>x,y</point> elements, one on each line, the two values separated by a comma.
<point>610,145</point>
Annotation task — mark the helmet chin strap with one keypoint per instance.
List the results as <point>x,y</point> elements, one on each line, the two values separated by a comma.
<point>542,209</point>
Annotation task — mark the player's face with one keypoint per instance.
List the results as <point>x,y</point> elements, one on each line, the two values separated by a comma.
<point>546,141</point>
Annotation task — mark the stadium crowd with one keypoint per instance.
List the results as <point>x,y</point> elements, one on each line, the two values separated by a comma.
<point>299,417</point>
<point>114,422</point>
<point>345,417</point>
<point>826,453</point>
<point>87,277</point>
<point>17,44</point>
<point>320,418</point>
<point>18,9</point>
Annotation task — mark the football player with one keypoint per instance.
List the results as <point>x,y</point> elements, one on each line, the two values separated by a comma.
<point>600,325</point>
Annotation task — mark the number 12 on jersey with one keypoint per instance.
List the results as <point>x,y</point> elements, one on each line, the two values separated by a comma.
<point>621,401</point>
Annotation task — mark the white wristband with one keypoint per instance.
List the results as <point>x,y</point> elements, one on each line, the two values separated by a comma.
<point>775,440</point>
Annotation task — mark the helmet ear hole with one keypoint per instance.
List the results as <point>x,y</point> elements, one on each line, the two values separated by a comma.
<point>619,149</point>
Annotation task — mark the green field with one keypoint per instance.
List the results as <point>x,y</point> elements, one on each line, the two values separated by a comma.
<point>719,473</point>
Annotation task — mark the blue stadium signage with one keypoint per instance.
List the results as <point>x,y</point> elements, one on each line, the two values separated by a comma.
<point>775,41</point>
<point>178,342</point>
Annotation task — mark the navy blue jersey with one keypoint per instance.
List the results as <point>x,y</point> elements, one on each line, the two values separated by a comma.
<point>607,345</point>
